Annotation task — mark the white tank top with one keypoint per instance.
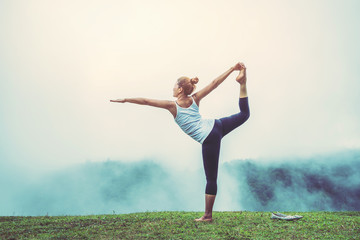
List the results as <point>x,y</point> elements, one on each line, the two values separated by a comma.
<point>190,121</point>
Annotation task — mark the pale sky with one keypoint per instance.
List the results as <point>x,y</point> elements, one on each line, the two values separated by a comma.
<point>62,61</point>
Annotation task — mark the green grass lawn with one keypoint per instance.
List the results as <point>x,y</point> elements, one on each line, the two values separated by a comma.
<point>181,225</point>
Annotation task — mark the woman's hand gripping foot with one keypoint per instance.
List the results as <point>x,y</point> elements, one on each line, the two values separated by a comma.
<point>241,78</point>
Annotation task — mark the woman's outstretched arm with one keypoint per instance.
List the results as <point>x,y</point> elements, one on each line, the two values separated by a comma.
<point>214,84</point>
<point>169,105</point>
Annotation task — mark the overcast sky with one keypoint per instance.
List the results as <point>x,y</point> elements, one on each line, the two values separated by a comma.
<point>62,61</point>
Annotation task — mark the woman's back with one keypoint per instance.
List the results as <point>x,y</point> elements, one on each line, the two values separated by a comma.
<point>191,122</point>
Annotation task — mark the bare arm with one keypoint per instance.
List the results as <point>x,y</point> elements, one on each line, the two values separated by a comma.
<point>214,84</point>
<point>169,105</point>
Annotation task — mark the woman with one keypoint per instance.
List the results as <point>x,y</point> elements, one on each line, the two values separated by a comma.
<point>208,132</point>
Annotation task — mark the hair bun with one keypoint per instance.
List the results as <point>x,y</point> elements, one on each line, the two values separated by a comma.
<point>194,80</point>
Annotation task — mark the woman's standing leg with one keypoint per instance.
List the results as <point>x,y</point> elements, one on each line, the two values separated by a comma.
<point>211,152</point>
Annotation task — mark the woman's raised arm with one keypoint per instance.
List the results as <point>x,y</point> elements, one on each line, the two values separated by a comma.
<point>214,84</point>
<point>169,105</point>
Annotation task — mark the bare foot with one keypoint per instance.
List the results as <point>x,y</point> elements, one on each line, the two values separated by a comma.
<point>203,219</point>
<point>241,78</point>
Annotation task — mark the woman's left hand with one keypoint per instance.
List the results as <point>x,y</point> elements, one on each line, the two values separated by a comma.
<point>122,100</point>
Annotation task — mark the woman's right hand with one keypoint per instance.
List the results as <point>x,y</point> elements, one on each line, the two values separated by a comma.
<point>239,66</point>
<point>121,100</point>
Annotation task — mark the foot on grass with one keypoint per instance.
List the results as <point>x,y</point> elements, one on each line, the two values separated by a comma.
<point>204,219</point>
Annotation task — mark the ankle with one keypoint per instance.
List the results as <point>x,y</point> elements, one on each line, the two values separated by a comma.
<point>208,215</point>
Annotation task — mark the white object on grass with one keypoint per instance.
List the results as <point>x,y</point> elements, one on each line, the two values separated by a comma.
<point>285,217</point>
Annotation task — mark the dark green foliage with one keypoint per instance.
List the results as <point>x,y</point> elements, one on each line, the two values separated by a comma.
<point>323,183</point>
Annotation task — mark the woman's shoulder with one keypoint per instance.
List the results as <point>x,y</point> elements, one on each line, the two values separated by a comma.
<point>196,99</point>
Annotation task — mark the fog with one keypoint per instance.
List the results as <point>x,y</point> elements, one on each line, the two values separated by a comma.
<point>319,183</point>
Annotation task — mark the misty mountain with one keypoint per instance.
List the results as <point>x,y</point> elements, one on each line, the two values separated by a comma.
<point>328,182</point>
<point>320,183</point>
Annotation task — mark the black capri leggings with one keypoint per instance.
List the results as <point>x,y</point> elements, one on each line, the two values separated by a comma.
<point>211,145</point>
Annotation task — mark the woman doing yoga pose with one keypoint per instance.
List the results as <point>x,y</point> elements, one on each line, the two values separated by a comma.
<point>208,132</point>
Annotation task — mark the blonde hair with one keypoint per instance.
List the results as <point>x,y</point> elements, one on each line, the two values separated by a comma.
<point>187,84</point>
